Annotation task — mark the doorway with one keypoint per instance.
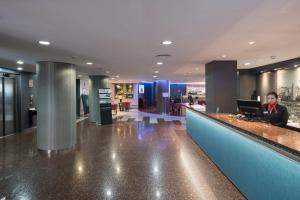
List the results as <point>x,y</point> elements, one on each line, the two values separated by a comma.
<point>7,105</point>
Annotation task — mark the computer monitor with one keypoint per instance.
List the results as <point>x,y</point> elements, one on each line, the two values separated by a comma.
<point>250,108</point>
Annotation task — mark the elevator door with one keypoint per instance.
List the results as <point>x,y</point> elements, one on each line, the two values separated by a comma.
<point>1,108</point>
<point>7,106</point>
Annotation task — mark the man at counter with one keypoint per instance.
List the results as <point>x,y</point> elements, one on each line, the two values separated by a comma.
<point>273,112</point>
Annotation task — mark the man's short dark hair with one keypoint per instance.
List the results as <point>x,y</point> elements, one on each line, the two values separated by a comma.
<point>274,94</point>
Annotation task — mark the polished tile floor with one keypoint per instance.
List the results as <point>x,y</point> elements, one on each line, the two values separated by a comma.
<point>127,160</point>
<point>137,116</point>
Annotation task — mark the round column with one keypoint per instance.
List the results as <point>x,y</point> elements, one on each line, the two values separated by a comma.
<point>56,105</point>
<point>96,82</point>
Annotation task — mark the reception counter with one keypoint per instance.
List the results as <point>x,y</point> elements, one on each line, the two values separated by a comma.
<point>262,160</point>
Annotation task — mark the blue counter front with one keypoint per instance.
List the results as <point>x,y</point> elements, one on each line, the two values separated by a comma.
<point>258,171</point>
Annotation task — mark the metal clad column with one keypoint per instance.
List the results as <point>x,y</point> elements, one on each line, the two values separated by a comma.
<point>56,105</point>
<point>96,82</point>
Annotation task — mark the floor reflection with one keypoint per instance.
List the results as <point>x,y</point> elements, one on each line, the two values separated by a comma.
<point>126,160</point>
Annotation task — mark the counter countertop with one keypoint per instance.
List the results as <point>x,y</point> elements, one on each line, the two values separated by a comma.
<point>281,137</point>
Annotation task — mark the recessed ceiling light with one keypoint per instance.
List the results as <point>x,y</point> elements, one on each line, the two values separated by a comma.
<point>112,78</point>
<point>89,63</point>
<point>197,68</point>
<point>167,42</point>
<point>295,65</point>
<point>117,76</point>
<point>44,42</point>
<point>224,56</point>
<point>156,72</point>
<point>262,71</point>
<point>20,68</point>
<point>251,42</point>
<point>247,64</point>
<point>20,62</point>
<point>107,72</point>
<point>154,76</point>
<point>159,63</point>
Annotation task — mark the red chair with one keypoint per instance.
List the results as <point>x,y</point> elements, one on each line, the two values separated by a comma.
<point>114,107</point>
<point>126,106</point>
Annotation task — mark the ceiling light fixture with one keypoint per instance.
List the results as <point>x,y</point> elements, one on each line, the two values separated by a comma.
<point>44,42</point>
<point>107,72</point>
<point>154,76</point>
<point>112,78</point>
<point>159,63</point>
<point>251,42</point>
<point>117,76</point>
<point>224,56</point>
<point>295,65</point>
<point>89,63</point>
<point>20,62</point>
<point>247,64</point>
<point>20,68</point>
<point>156,72</point>
<point>167,42</point>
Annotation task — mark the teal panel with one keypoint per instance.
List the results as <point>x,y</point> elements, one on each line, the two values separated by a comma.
<point>257,170</point>
<point>85,103</point>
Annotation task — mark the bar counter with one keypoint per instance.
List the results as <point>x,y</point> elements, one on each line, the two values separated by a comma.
<point>262,160</point>
<point>286,139</point>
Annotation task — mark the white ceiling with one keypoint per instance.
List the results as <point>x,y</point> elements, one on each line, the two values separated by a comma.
<point>123,36</point>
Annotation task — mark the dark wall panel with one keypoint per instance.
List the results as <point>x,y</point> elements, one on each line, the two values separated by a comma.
<point>162,103</point>
<point>78,97</point>
<point>23,98</point>
<point>221,86</point>
<point>246,84</point>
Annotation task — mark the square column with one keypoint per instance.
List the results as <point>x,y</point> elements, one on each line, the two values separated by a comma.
<point>221,86</point>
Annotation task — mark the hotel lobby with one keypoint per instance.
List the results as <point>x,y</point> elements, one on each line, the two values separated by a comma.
<point>138,100</point>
